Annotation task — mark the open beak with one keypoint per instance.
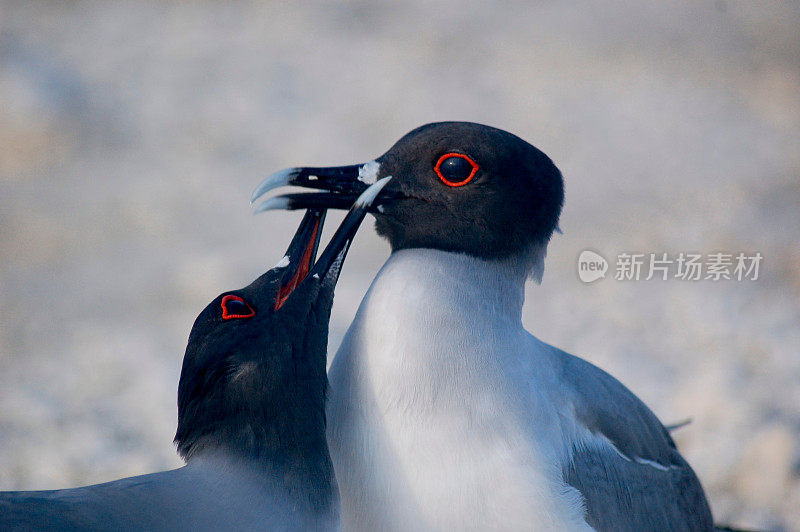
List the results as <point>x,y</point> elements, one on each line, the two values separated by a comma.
<point>338,187</point>
<point>299,258</point>
<point>301,254</point>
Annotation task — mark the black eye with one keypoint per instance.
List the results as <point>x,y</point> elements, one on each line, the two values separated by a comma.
<point>235,307</point>
<point>455,169</point>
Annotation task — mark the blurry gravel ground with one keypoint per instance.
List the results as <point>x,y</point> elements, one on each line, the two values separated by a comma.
<point>131,135</point>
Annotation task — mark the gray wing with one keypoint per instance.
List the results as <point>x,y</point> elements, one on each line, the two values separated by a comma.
<point>192,499</point>
<point>126,504</point>
<point>34,511</point>
<point>640,481</point>
<point>181,499</point>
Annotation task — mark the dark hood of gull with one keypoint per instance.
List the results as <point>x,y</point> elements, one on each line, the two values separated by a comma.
<point>251,413</point>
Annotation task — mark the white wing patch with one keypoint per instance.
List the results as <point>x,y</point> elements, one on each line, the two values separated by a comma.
<point>658,466</point>
<point>600,440</point>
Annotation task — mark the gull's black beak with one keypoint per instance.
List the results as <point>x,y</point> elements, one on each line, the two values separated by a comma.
<point>343,184</point>
<point>301,254</point>
<point>299,259</point>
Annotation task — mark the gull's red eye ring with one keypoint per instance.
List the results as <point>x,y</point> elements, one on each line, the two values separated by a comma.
<point>235,307</point>
<point>455,169</point>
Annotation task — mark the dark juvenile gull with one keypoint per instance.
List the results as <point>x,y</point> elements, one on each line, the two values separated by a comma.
<point>251,414</point>
<point>444,412</point>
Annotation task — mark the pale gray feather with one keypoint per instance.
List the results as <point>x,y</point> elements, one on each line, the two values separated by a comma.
<point>207,496</point>
<point>643,484</point>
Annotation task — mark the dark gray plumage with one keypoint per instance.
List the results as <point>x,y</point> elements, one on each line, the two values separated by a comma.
<point>251,414</point>
<point>646,485</point>
<point>216,493</point>
<point>251,425</point>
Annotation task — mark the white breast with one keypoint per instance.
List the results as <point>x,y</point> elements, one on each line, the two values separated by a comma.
<point>442,412</point>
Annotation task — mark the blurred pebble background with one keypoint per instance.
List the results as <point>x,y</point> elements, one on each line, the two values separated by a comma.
<point>132,133</point>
